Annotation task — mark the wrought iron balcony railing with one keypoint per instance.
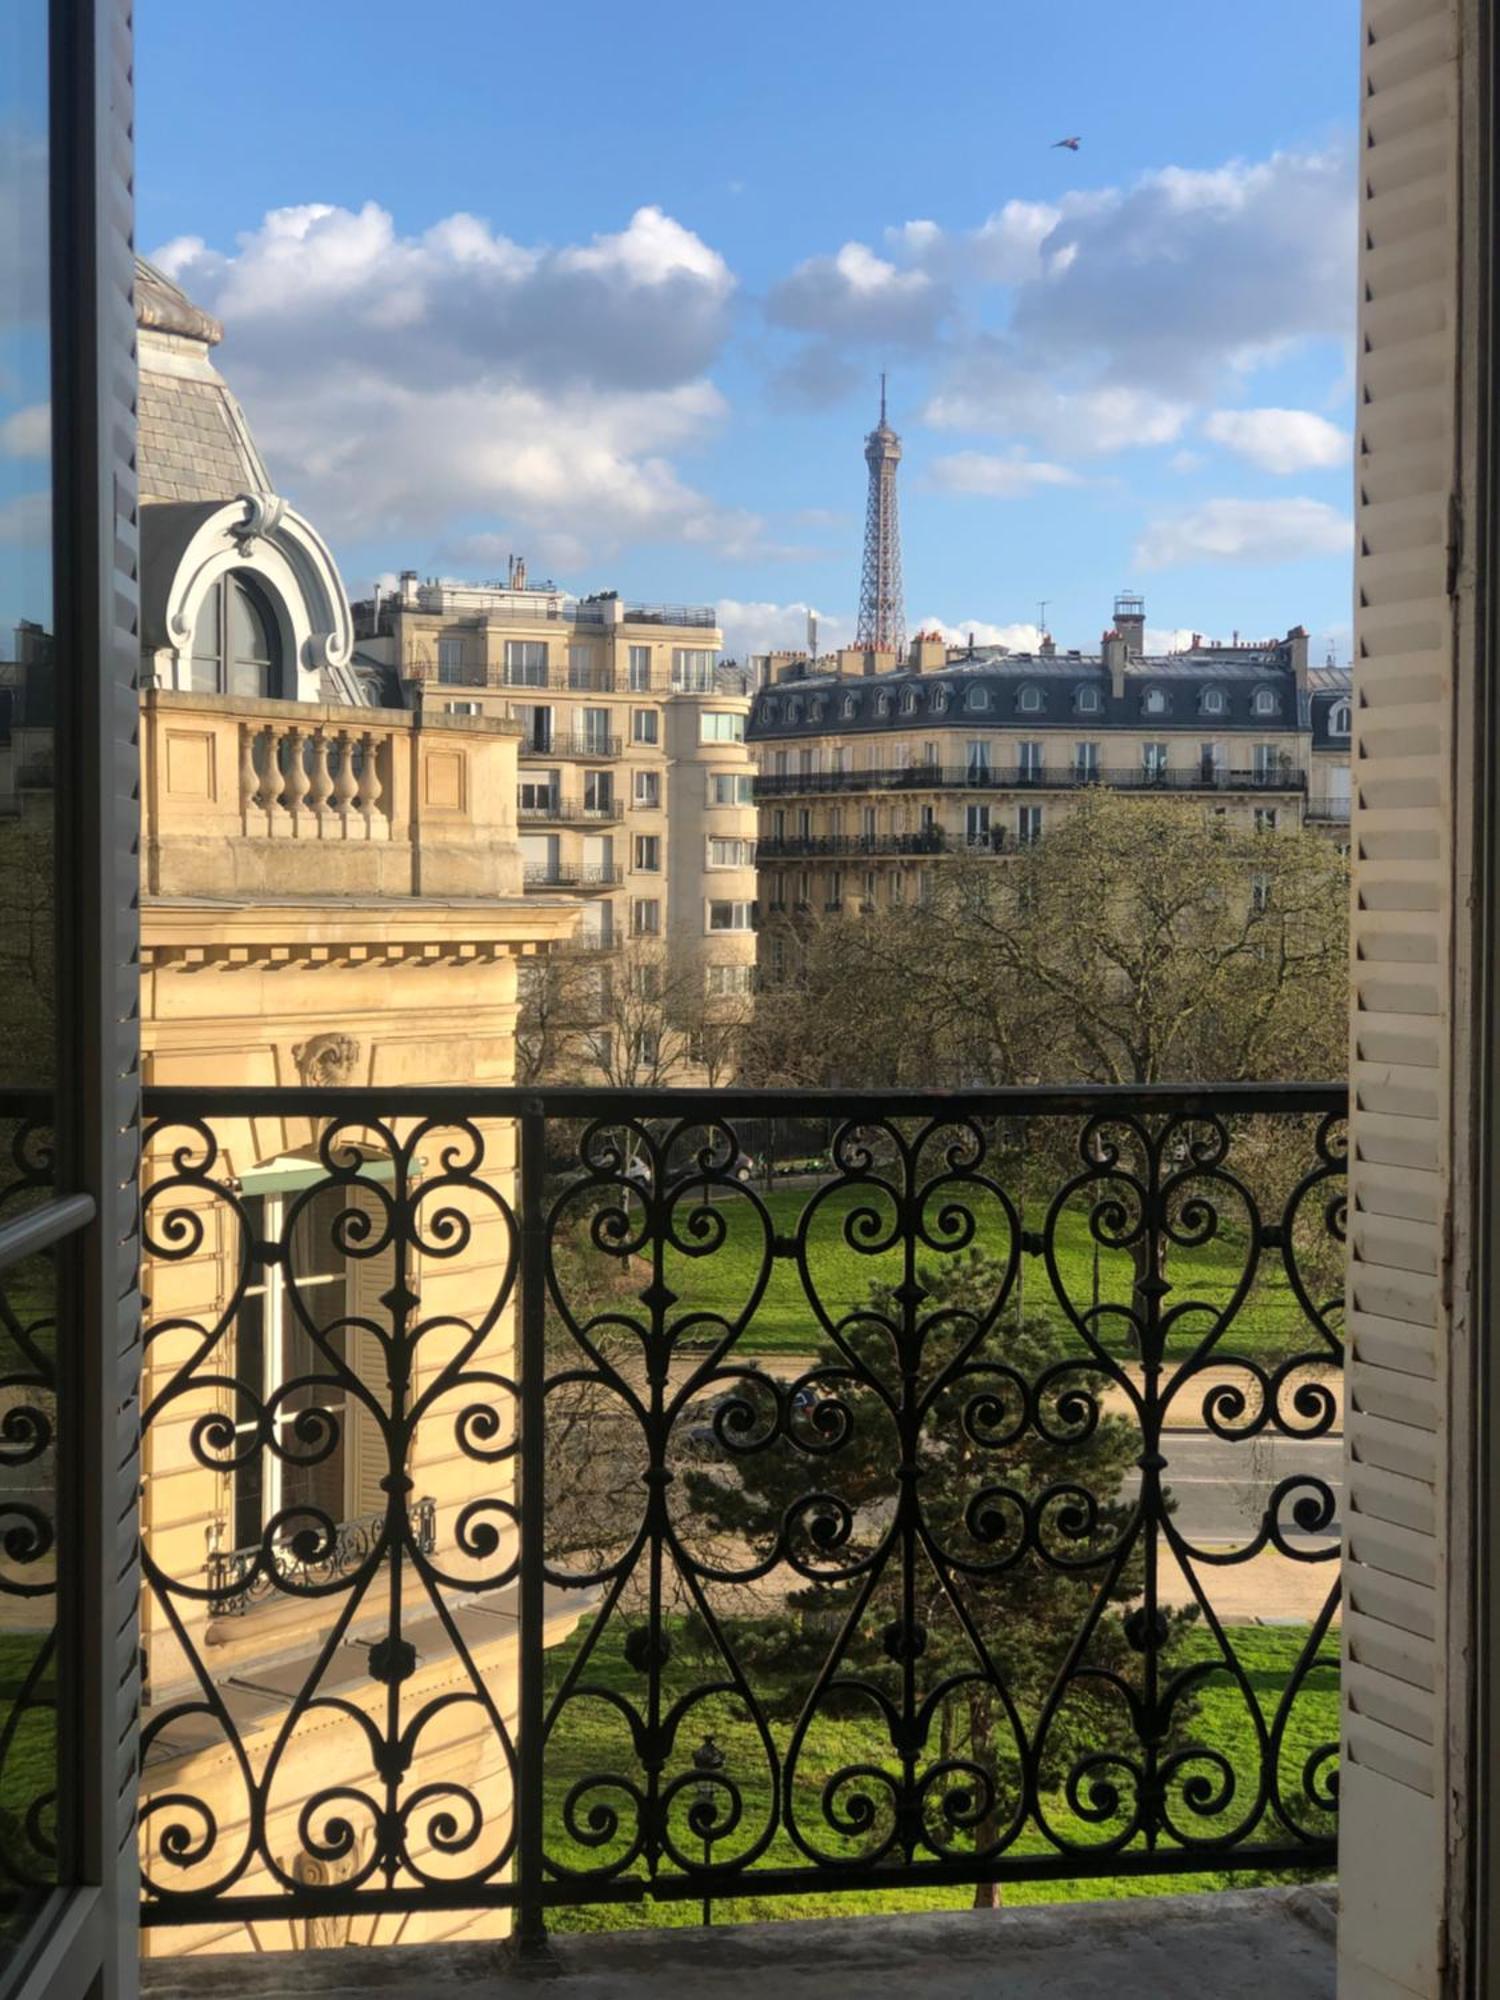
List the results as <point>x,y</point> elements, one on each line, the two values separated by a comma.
<point>570,811</point>
<point>1017,777</point>
<point>828,1491</point>
<point>575,875</point>
<point>574,746</point>
<point>238,1579</point>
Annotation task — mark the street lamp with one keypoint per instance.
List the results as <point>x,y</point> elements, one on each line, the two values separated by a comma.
<point>708,1761</point>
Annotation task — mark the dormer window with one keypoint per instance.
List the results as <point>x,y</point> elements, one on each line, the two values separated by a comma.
<point>768,711</point>
<point>940,702</point>
<point>237,640</point>
<point>1154,701</point>
<point>1338,719</point>
<point>882,704</point>
<point>1029,700</point>
<point>1267,701</point>
<point>1087,701</point>
<point>816,707</point>
<point>909,702</point>
<point>794,710</point>
<point>1213,701</point>
<point>851,707</point>
<point>979,697</point>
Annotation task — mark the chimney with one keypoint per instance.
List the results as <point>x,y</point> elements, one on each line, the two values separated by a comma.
<point>929,653</point>
<point>1047,649</point>
<point>408,587</point>
<point>1130,622</point>
<point>1296,641</point>
<point>1115,653</point>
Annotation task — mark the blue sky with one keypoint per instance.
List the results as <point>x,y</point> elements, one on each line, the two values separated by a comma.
<point>612,287</point>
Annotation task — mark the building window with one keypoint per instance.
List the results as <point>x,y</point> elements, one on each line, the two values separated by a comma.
<point>273,1340</point>
<point>1029,701</point>
<point>882,704</point>
<point>724,980</point>
<point>730,788</point>
<point>463,708</point>
<point>869,893</point>
<point>1086,763</point>
<point>236,641</point>
<point>794,710</point>
<point>867,823</point>
<point>731,916</point>
<point>1028,824</point>
<point>538,795</point>
<point>778,824</point>
<point>451,668</point>
<point>536,720</point>
<point>1210,761</point>
<point>940,702</point>
<point>648,853</point>
<point>645,917</point>
<point>1087,701</point>
<point>836,822</point>
<point>1212,702</point>
<point>978,759</point>
<point>1267,701</point>
<point>598,792</point>
<point>977,826</point>
<point>718,727</point>
<point>778,763</point>
<point>644,725</point>
<point>526,662</point>
<point>817,708</point>
<point>804,823</point>
<point>693,669</point>
<point>648,788</point>
<point>596,729</point>
<point>806,763</point>
<point>909,702</point>
<point>851,707</point>
<point>731,853</point>
<point>1338,719</point>
<point>978,697</point>
<point>1265,819</point>
<point>1154,702</point>
<point>1030,767</point>
<point>1267,764</point>
<point>640,669</point>
<point>834,900</point>
<point>1154,761</point>
<point>1260,892</point>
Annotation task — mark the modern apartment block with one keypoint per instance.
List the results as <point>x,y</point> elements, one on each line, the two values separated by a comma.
<point>870,772</point>
<point>636,785</point>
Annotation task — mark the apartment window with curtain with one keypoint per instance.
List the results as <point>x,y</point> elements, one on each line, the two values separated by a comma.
<point>1086,763</point>
<point>693,669</point>
<point>647,788</point>
<point>716,726</point>
<point>729,916</point>
<point>1154,760</point>
<point>645,917</point>
<point>526,662</point>
<point>640,669</point>
<point>598,792</point>
<point>1028,824</point>
<point>645,725</point>
<point>730,788</point>
<point>647,855</point>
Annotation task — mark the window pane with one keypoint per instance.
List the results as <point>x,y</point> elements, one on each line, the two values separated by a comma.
<point>253,642</point>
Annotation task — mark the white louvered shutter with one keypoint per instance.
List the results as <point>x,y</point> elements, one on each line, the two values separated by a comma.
<point>1404,1027</point>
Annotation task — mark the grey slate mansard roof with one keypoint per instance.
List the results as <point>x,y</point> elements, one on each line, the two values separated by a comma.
<point>987,693</point>
<point>195,444</point>
<point>1330,686</point>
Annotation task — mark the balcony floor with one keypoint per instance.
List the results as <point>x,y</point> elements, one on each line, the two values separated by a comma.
<point>1239,1946</point>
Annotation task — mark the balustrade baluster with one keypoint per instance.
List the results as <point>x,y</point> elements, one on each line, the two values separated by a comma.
<point>320,782</point>
<point>249,775</point>
<point>345,785</point>
<point>370,787</point>
<point>294,785</point>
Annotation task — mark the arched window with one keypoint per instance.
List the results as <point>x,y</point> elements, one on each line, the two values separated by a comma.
<point>979,697</point>
<point>1087,702</point>
<point>1029,700</point>
<point>940,702</point>
<point>794,710</point>
<point>1338,719</point>
<point>909,702</point>
<point>851,707</point>
<point>1267,701</point>
<point>1154,702</point>
<point>768,711</point>
<point>816,707</point>
<point>236,641</point>
<point>882,704</point>
<point>1213,701</point>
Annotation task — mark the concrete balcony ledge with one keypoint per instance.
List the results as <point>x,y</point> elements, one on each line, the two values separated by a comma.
<point>1243,1945</point>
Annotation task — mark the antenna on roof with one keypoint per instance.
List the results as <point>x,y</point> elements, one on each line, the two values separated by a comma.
<point>812,638</point>
<point>882,395</point>
<point>1041,614</point>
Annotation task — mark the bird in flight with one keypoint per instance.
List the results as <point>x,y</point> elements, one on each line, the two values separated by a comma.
<point>1071,144</point>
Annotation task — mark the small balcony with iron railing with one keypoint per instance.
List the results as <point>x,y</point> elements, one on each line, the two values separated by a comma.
<point>552,810</point>
<point>574,875</point>
<point>583,743</point>
<point>893,1500</point>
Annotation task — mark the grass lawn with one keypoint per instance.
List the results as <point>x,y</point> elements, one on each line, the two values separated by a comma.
<point>1269,1323</point>
<point>591,1737</point>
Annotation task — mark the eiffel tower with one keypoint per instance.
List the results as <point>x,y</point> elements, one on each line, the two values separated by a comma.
<point>882,619</point>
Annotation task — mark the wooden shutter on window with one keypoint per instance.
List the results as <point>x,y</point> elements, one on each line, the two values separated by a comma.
<point>1405,1027</point>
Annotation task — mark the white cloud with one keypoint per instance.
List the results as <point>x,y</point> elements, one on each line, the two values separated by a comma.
<point>774,628</point>
<point>1021,638</point>
<point>1244,531</point>
<point>858,296</point>
<point>27,433</point>
<point>404,384</point>
<point>1281,440</point>
<point>998,476</point>
<point>990,390</point>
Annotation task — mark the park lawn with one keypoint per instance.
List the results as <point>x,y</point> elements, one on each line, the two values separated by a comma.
<point>1270,1322</point>
<point>590,1739</point>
